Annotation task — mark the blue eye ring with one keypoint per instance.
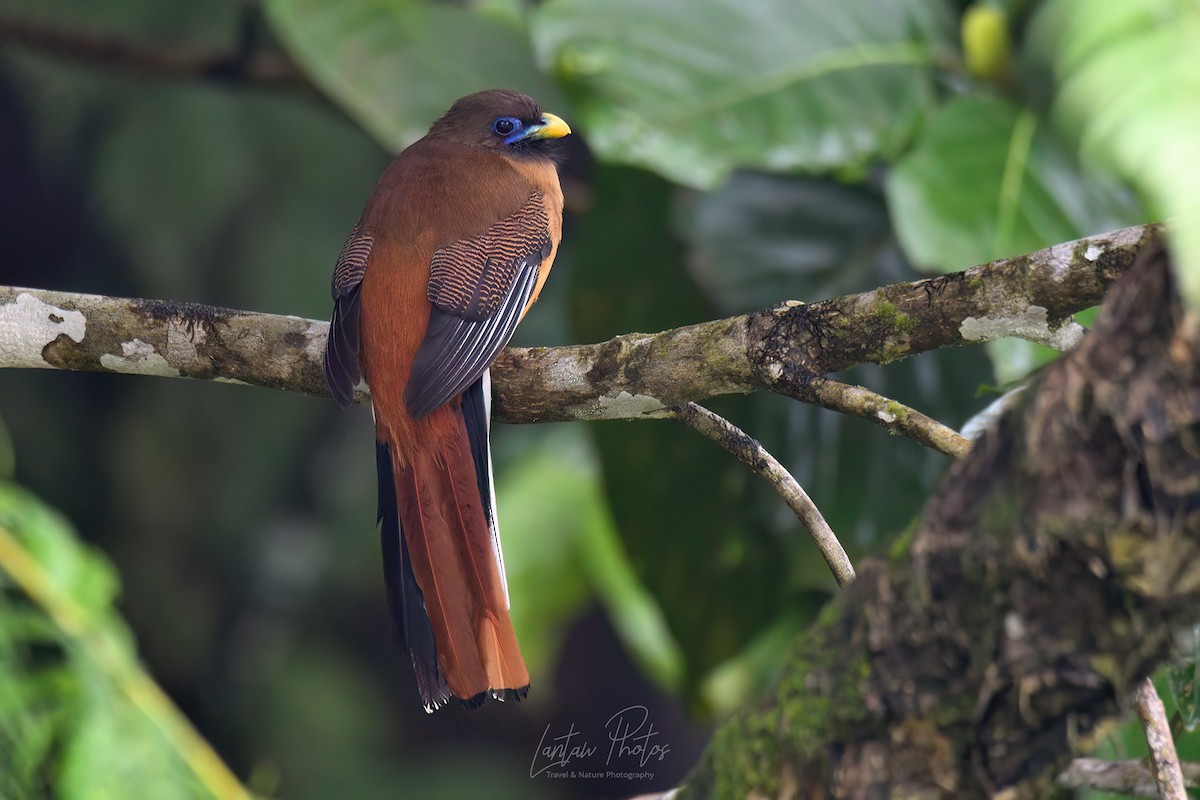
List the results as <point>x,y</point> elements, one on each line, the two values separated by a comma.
<point>505,126</point>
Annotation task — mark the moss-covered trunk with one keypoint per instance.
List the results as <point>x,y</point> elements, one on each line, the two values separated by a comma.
<point>1046,577</point>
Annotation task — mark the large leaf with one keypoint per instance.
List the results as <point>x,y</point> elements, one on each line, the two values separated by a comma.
<point>763,239</point>
<point>694,88</point>
<point>988,179</point>
<point>396,65</point>
<point>1130,76</point>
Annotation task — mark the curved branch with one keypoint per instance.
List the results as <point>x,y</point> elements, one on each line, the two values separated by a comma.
<point>751,453</point>
<point>858,401</point>
<point>629,377</point>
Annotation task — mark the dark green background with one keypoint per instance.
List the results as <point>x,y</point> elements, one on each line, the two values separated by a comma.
<point>729,156</point>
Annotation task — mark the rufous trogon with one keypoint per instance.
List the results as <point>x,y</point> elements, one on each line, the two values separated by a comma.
<point>452,249</point>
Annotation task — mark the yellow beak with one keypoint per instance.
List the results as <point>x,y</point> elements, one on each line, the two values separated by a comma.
<point>552,127</point>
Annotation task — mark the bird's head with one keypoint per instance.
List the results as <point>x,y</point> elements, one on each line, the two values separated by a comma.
<point>503,121</point>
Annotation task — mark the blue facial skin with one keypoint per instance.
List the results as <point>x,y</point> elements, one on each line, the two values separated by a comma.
<point>521,134</point>
<point>513,134</point>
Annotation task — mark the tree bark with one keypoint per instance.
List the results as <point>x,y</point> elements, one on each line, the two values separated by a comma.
<point>634,376</point>
<point>1045,580</point>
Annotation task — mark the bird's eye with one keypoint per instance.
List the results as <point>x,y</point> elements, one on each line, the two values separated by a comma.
<point>504,126</point>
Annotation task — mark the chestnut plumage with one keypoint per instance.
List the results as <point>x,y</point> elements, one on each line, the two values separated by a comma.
<point>452,249</point>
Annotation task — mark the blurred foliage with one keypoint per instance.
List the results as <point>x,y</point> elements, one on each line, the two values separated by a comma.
<point>1181,680</point>
<point>560,546</point>
<point>1130,76</point>
<point>987,179</point>
<point>78,717</point>
<point>394,63</point>
<point>744,153</point>
<point>694,88</point>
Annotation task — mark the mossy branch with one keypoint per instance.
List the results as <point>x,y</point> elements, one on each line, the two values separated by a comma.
<point>630,377</point>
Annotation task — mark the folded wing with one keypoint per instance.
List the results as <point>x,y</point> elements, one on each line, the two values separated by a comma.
<point>342,372</point>
<point>479,289</point>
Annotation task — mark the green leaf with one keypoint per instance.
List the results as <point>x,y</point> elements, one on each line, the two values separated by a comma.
<point>112,751</point>
<point>396,65</point>
<point>1130,76</point>
<point>73,571</point>
<point>987,180</point>
<point>763,239</point>
<point>1181,679</point>
<point>78,716</point>
<point>693,88</point>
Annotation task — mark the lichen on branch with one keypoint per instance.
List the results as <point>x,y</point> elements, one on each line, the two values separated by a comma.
<point>629,377</point>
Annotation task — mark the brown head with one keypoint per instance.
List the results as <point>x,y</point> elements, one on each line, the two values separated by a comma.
<point>506,122</point>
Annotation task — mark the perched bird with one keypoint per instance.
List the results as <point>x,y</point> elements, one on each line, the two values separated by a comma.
<point>452,249</point>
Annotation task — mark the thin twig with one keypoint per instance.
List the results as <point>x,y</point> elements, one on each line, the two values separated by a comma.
<point>895,417</point>
<point>76,624</point>
<point>1119,777</point>
<point>1168,776</point>
<point>748,450</point>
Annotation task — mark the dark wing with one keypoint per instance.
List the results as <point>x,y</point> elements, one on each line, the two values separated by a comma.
<point>479,287</point>
<point>404,595</point>
<point>342,372</point>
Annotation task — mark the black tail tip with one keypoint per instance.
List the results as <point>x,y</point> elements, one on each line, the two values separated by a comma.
<point>499,695</point>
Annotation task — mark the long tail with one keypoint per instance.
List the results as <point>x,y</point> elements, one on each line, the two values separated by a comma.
<point>442,562</point>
